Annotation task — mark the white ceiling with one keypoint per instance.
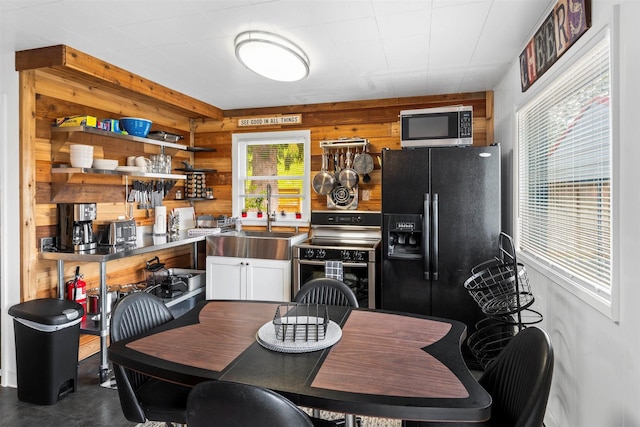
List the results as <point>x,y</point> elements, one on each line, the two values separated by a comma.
<point>358,49</point>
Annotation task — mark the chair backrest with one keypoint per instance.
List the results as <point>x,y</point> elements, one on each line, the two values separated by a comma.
<point>134,315</point>
<point>324,290</point>
<point>228,404</point>
<point>519,379</point>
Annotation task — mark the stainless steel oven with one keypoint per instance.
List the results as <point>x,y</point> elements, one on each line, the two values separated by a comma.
<point>346,243</point>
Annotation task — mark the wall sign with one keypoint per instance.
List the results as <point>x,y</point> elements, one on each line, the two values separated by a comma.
<point>293,119</point>
<point>568,20</point>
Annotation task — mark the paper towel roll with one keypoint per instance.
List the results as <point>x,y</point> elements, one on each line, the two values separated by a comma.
<point>160,226</point>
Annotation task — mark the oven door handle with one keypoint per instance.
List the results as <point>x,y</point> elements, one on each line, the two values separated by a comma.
<point>344,264</point>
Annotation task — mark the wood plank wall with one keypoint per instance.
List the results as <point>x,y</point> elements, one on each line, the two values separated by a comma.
<point>375,120</point>
<point>46,95</point>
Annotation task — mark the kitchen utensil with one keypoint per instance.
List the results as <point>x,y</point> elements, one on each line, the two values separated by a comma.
<point>81,156</point>
<point>136,126</point>
<point>324,181</point>
<point>348,177</point>
<point>106,164</point>
<point>93,299</point>
<point>363,163</point>
<point>161,135</point>
<point>143,162</point>
<point>160,225</point>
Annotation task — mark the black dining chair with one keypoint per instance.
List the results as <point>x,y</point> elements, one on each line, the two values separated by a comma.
<point>324,290</point>
<point>518,380</point>
<point>144,398</point>
<point>229,404</point>
<point>327,291</point>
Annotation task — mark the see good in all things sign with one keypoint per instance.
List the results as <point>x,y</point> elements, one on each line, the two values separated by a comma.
<point>568,20</point>
<point>292,119</point>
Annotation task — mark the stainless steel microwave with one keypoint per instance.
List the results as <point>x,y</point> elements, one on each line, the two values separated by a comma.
<point>437,127</point>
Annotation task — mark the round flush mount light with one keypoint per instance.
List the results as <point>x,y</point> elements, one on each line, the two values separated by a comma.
<point>271,56</point>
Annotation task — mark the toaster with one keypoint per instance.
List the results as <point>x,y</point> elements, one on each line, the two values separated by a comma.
<point>120,232</point>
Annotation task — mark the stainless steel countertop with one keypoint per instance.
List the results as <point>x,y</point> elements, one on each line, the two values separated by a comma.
<point>146,242</point>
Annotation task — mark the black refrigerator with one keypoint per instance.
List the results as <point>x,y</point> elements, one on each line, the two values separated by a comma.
<point>441,217</point>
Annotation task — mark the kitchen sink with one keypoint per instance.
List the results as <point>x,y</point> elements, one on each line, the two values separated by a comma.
<point>254,244</point>
<point>267,234</point>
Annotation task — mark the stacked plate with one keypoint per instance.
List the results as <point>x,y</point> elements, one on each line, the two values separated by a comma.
<point>81,156</point>
<point>106,164</point>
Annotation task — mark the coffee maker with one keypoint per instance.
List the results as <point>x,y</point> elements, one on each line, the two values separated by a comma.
<point>75,226</point>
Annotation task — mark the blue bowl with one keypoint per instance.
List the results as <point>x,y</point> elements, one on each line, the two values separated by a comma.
<point>135,126</point>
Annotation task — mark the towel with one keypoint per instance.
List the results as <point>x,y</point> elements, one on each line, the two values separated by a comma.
<point>333,270</point>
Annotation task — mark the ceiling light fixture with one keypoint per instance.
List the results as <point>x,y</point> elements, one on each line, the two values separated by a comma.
<point>271,56</point>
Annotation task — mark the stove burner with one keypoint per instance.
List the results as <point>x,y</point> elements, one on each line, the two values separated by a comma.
<point>342,197</point>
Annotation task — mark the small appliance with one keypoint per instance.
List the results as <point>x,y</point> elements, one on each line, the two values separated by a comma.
<point>437,127</point>
<point>75,226</point>
<point>120,232</point>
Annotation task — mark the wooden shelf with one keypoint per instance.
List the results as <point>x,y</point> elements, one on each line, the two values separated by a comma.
<point>196,170</point>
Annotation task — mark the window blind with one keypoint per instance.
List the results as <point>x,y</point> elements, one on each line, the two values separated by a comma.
<point>564,182</point>
<point>281,164</point>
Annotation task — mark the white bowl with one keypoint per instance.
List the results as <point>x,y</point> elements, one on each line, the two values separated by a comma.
<point>81,162</point>
<point>106,164</point>
<point>79,148</point>
<point>81,158</point>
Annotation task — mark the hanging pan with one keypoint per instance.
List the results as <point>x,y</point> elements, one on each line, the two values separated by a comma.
<point>324,181</point>
<point>363,164</point>
<point>348,176</point>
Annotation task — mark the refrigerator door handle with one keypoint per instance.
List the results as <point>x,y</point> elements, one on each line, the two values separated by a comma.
<point>425,235</point>
<point>434,232</point>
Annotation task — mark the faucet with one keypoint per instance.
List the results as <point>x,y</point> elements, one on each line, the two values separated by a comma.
<point>269,213</point>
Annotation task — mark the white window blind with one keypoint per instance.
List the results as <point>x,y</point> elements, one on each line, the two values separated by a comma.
<point>280,164</point>
<point>564,182</point>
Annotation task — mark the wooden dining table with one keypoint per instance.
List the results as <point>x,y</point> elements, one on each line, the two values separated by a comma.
<point>385,364</point>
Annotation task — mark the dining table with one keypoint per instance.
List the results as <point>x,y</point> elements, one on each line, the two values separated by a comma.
<point>374,363</point>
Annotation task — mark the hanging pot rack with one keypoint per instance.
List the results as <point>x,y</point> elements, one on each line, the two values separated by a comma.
<point>344,143</point>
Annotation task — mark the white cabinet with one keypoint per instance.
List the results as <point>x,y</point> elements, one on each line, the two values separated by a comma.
<point>248,279</point>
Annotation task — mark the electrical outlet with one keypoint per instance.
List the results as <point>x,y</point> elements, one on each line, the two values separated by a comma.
<point>47,243</point>
<point>366,195</point>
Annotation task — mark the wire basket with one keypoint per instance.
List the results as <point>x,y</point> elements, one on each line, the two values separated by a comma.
<point>490,339</point>
<point>301,322</point>
<point>499,289</point>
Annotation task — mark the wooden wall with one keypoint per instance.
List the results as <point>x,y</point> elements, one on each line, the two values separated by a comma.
<point>375,120</point>
<point>58,97</point>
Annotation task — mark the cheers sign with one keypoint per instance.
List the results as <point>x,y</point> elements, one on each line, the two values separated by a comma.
<point>568,20</point>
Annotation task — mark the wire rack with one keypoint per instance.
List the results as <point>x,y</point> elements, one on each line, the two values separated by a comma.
<point>207,225</point>
<point>500,287</point>
<point>301,322</point>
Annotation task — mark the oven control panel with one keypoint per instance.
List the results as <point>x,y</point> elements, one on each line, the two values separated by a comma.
<point>332,254</point>
<point>351,218</point>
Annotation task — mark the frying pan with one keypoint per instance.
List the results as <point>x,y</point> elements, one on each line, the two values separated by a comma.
<point>348,177</point>
<point>363,163</point>
<point>324,181</point>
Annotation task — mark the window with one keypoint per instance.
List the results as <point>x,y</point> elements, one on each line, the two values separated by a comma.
<point>565,176</point>
<point>280,160</point>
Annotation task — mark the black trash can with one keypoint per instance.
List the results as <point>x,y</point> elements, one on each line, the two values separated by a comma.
<point>47,335</point>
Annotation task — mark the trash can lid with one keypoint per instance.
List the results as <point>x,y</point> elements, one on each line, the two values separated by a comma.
<point>47,311</point>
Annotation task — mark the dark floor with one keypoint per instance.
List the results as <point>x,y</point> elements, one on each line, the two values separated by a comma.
<point>89,405</point>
